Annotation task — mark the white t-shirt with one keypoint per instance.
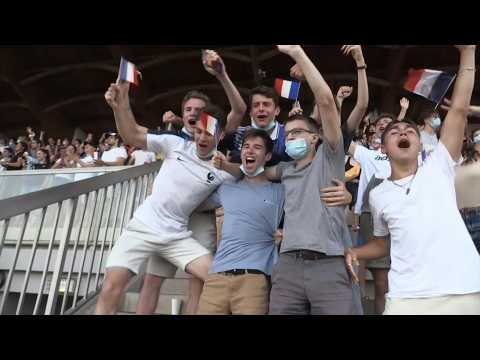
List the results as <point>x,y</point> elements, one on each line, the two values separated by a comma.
<point>372,162</point>
<point>429,142</point>
<point>88,160</point>
<point>143,157</point>
<point>182,184</point>
<point>431,250</point>
<point>113,154</point>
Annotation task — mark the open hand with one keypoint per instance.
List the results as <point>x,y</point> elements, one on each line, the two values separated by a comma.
<point>351,261</point>
<point>404,103</point>
<point>278,236</point>
<point>355,51</point>
<point>336,195</point>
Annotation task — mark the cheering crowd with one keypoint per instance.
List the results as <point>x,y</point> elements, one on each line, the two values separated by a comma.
<point>30,152</point>
<point>285,190</point>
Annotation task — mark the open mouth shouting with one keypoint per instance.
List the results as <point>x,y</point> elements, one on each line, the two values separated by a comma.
<point>404,143</point>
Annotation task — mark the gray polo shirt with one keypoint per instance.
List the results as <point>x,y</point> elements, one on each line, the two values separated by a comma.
<point>252,214</point>
<point>309,224</point>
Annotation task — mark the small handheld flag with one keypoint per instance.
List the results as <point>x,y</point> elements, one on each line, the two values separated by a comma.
<point>128,72</point>
<point>287,89</point>
<point>208,123</point>
<point>431,84</point>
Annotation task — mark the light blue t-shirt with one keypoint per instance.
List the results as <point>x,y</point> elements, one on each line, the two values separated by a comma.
<point>252,214</point>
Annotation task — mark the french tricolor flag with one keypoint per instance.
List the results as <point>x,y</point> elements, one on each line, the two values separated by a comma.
<point>209,123</point>
<point>431,84</point>
<point>128,72</point>
<point>287,89</point>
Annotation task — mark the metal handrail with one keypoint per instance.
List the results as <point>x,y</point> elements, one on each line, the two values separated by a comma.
<point>93,211</point>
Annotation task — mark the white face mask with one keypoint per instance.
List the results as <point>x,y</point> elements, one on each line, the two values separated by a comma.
<point>267,128</point>
<point>259,170</point>
<point>476,140</point>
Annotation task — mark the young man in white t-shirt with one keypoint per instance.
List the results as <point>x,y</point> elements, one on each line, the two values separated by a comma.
<point>160,224</point>
<point>435,268</point>
<point>141,157</point>
<point>115,155</point>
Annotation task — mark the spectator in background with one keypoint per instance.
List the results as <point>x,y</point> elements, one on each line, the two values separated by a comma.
<point>91,155</point>
<point>65,142</point>
<point>373,163</point>
<point>89,138</point>
<point>17,161</point>
<point>68,160</point>
<point>34,147</point>
<point>428,135</point>
<point>467,188</point>
<point>7,156</point>
<point>11,144</point>
<point>140,157</point>
<point>42,160</point>
<point>115,155</point>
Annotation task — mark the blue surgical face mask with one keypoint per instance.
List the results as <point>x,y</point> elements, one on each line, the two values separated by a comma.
<point>476,140</point>
<point>267,128</point>
<point>297,149</point>
<point>436,122</point>
<point>259,170</point>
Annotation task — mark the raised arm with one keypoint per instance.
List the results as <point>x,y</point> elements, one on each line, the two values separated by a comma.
<point>404,104</point>
<point>342,93</point>
<point>214,65</point>
<point>473,110</point>
<point>220,162</point>
<point>361,106</point>
<point>132,133</point>
<point>322,93</point>
<point>456,119</point>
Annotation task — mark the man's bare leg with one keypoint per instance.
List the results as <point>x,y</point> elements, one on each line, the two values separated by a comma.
<point>147,303</point>
<point>113,289</point>
<point>196,288</point>
<point>200,266</point>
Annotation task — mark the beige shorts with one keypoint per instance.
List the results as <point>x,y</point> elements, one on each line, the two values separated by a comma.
<point>203,226</point>
<point>366,232</point>
<point>467,304</point>
<point>137,243</point>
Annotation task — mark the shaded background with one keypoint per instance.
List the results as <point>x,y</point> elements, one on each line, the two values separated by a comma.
<point>59,88</point>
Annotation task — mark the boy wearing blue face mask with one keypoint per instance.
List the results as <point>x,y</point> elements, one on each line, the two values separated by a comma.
<point>309,277</point>
<point>428,136</point>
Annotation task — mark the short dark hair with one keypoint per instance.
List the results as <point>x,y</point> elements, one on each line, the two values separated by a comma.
<point>217,113</point>
<point>259,133</point>
<point>266,91</point>
<point>382,116</point>
<point>311,123</point>
<point>393,123</point>
<point>195,94</point>
<point>9,149</point>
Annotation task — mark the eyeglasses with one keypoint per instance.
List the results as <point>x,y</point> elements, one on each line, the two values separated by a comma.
<point>298,132</point>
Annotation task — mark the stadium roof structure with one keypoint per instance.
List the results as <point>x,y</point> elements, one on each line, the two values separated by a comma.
<point>58,88</point>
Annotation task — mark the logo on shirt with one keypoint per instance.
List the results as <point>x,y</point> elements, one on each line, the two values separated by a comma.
<point>380,157</point>
<point>210,177</point>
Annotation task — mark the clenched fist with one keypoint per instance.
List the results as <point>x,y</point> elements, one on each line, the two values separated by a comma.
<point>117,95</point>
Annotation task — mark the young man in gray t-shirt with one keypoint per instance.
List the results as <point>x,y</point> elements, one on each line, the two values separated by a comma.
<point>310,276</point>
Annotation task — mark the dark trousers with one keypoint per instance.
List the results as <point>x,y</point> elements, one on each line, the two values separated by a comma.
<point>316,287</point>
